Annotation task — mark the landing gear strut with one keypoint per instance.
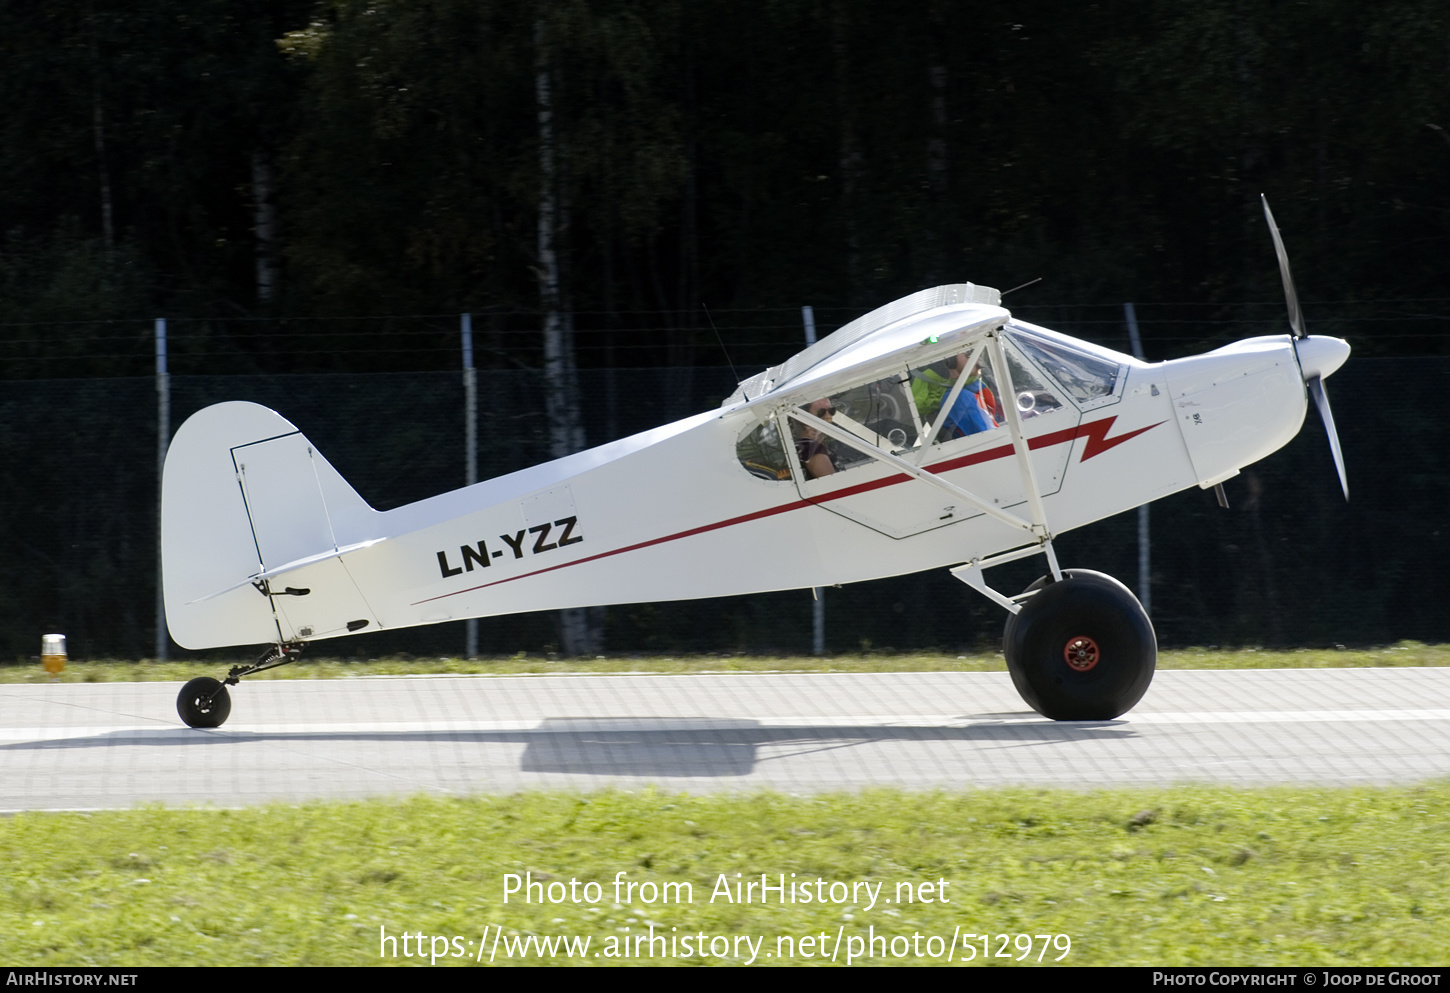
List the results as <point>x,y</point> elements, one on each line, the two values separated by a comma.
<point>205,703</point>
<point>1081,648</point>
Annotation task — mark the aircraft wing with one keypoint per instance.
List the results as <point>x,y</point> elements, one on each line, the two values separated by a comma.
<point>935,321</point>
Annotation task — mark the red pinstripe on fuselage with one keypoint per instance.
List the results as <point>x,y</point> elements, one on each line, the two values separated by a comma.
<point>1096,433</point>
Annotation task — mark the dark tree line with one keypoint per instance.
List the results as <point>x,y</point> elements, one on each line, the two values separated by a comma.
<point>234,159</point>
<point>308,186</point>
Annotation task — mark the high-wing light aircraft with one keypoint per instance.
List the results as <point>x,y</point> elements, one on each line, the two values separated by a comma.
<point>937,431</point>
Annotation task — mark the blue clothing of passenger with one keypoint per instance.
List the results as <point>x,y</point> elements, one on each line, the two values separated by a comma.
<point>969,414</point>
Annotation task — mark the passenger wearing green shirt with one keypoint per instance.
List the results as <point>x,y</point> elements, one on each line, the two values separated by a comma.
<point>929,388</point>
<point>972,411</point>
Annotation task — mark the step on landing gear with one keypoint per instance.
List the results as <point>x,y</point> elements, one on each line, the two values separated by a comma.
<point>205,703</point>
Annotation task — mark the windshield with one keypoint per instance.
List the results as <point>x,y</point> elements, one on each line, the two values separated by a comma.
<point>1085,376</point>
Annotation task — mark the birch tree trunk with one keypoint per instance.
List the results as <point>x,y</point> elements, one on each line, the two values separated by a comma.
<point>580,629</point>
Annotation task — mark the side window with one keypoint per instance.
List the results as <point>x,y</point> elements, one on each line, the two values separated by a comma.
<point>761,452</point>
<point>957,396</point>
<point>879,413</point>
<point>1034,397</point>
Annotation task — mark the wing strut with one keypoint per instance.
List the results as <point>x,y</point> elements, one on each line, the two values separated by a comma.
<point>973,573</point>
<point>825,427</point>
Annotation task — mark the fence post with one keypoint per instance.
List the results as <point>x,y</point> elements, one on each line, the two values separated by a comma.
<point>1145,580</point>
<point>470,448</point>
<point>163,439</point>
<point>818,594</point>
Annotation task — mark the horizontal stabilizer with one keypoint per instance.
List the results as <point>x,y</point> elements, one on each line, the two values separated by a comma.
<point>287,567</point>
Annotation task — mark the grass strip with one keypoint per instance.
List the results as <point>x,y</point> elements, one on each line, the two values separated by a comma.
<point>1405,653</point>
<point>1182,876</point>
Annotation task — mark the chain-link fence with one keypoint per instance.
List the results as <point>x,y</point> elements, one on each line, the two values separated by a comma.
<point>1288,564</point>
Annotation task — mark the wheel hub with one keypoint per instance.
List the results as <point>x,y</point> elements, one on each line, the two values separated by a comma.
<point>1081,653</point>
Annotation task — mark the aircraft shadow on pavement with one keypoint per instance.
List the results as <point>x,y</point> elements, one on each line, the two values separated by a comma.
<point>701,747</point>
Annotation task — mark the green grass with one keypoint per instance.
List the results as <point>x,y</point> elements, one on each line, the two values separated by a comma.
<point>1186,876</point>
<point>1405,653</point>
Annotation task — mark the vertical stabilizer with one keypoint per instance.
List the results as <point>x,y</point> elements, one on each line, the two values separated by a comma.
<point>245,492</point>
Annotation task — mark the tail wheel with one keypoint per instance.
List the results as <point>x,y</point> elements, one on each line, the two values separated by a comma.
<point>1081,649</point>
<point>204,703</point>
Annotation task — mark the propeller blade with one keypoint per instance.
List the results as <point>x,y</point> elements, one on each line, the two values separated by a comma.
<point>1296,318</point>
<point>1321,400</point>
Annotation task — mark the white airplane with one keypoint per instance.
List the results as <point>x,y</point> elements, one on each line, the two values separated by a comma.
<point>937,431</point>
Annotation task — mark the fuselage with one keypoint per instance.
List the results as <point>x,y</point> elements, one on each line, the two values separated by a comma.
<point>720,503</point>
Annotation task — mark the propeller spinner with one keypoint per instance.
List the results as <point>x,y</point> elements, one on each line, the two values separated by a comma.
<point>1318,357</point>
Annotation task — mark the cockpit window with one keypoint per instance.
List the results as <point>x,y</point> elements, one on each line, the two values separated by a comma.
<point>1085,377</point>
<point>878,413</point>
<point>761,453</point>
<point>956,397</point>
<point>1034,397</point>
<point>974,406</point>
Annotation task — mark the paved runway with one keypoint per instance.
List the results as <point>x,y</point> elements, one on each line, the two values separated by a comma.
<point>84,746</point>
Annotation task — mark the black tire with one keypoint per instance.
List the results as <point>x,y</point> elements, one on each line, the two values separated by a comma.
<point>204,703</point>
<point>1081,649</point>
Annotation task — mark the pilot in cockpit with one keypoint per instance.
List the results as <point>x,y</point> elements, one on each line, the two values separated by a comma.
<point>975,405</point>
<point>810,445</point>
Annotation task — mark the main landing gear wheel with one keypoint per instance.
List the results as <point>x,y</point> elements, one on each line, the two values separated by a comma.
<point>204,703</point>
<point>1080,649</point>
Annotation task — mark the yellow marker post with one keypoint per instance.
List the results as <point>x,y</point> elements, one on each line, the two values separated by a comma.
<point>52,654</point>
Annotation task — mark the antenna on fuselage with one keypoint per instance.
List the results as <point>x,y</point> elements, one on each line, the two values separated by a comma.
<point>1022,287</point>
<point>721,341</point>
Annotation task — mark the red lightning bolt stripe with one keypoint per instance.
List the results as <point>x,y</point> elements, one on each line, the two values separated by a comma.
<point>1098,441</point>
<point>1096,433</point>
